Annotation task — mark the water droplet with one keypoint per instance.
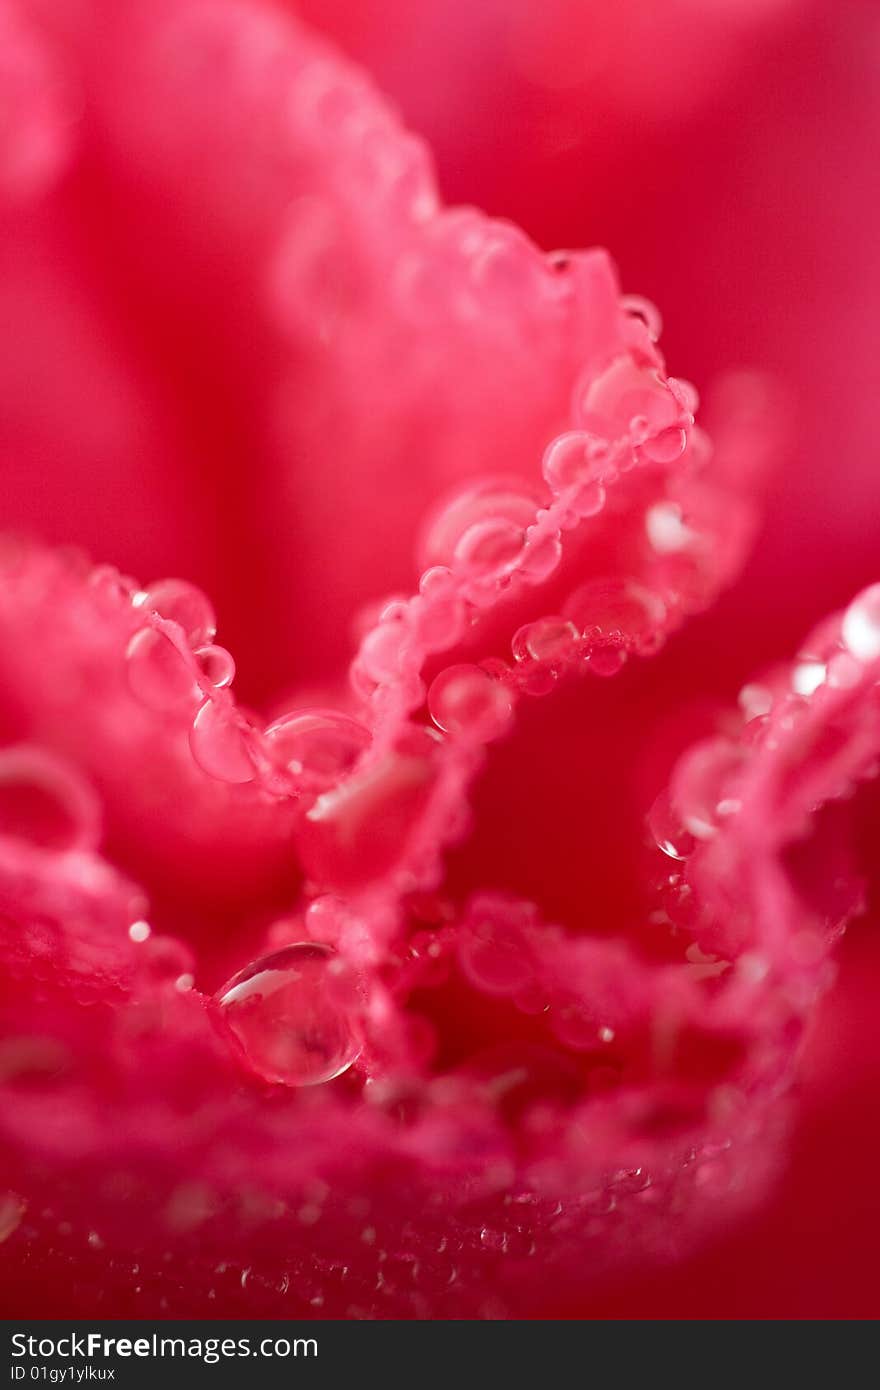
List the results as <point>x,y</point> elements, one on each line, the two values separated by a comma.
<point>495,960</point>
<point>160,676</point>
<point>644,309</point>
<point>541,556</point>
<point>358,829</point>
<point>490,547</point>
<point>45,802</point>
<point>465,700</point>
<point>617,606</point>
<point>319,747</point>
<point>496,500</point>
<point>606,660</point>
<point>108,581</point>
<point>578,464</point>
<point>438,620</point>
<point>861,624</point>
<point>546,639</point>
<point>219,744</point>
<point>216,665</point>
<point>668,830</point>
<point>665,447</point>
<point>182,603</point>
<point>382,650</point>
<point>629,401</point>
<point>702,785</point>
<point>140,930</point>
<point>685,392</point>
<point>294,1014</point>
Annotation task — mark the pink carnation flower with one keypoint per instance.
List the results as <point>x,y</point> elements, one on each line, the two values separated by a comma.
<point>450,951</point>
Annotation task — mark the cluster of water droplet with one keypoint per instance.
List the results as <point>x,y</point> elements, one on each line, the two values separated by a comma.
<point>174,665</point>
<point>500,533</point>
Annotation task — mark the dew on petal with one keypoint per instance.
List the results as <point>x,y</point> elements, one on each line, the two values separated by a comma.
<point>181,602</point>
<point>382,650</point>
<point>546,639</point>
<point>606,660</point>
<point>507,508</point>
<point>160,675</point>
<point>629,400</point>
<point>644,309</point>
<point>45,802</point>
<point>665,447</point>
<point>295,1015</point>
<point>466,700</point>
<point>861,625</point>
<point>668,830</point>
<point>494,960</point>
<point>318,747</point>
<point>108,581</point>
<point>219,744</point>
<point>541,557</point>
<point>616,606</point>
<point>216,665</point>
<point>490,547</point>
<point>701,785</point>
<point>438,620</point>
<point>575,460</point>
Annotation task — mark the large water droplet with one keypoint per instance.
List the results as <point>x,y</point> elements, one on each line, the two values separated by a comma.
<point>182,603</point>
<point>216,665</point>
<point>295,1015</point>
<point>465,700</point>
<point>861,624</point>
<point>44,802</point>
<point>160,675</point>
<point>546,639</point>
<point>319,747</point>
<point>219,744</point>
<point>665,447</point>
